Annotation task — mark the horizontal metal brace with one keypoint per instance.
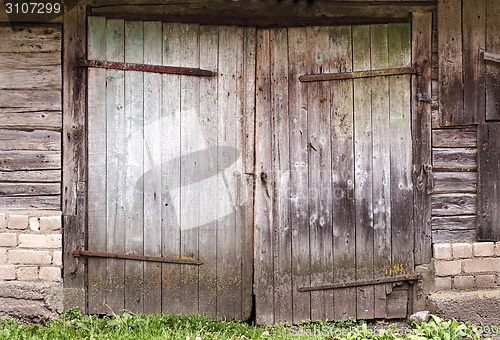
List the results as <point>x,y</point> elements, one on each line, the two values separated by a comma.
<point>78,252</point>
<point>357,74</point>
<point>491,56</point>
<point>115,65</point>
<point>360,283</point>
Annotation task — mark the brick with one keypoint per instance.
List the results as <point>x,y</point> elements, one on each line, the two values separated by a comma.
<point>463,282</point>
<point>40,241</point>
<point>447,268</point>
<point>16,256</point>
<point>8,239</point>
<point>481,265</point>
<point>442,251</point>
<point>443,283</point>
<point>27,273</point>
<point>497,249</point>
<point>485,281</point>
<point>57,258</point>
<point>483,249</point>
<point>17,222</point>
<point>50,274</point>
<point>7,272</point>
<point>3,255</point>
<point>462,250</point>
<point>3,221</point>
<point>34,224</point>
<point>50,223</point>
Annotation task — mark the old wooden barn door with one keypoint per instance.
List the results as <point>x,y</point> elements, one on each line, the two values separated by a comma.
<point>170,167</point>
<point>334,194</point>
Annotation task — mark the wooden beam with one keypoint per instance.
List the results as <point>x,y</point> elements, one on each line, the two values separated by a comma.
<point>356,74</point>
<point>491,57</point>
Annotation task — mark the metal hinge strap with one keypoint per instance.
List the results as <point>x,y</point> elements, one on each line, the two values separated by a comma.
<point>360,283</point>
<point>357,74</point>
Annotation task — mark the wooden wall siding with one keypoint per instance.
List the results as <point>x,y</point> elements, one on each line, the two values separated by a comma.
<point>331,180</point>
<point>492,68</point>
<point>30,117</point>
<point>171,159</point>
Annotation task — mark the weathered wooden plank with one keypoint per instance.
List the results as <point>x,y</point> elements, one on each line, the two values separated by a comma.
<point>170,127</point>
<point>363,172</point>
<point>97,209</point>
<point>153,191</point>
<point>29,160</point>
<point>247,84</point>
<point>264,187</point>
<point>450,236</point>
<point>133,201</point>
<point>383,116</point>
<point>453,222</point>
<point>490,56</point>
<point>342,139</point>
<point>488,226</point>
<point>454,138</point>
<point>192,140</point>
<point>22,119</point>
<point>449,182</point>
<point>453,204</point>
<point>357,74</point>
<point>30,38</point>
<point>451,95</point>
<point>33,71</point>
<point>31,202</point>
<point>32,18</point>
<point>31,176</point>
<point>74,156</point>
<point>281,154</point>
<point>492,68</point>
<point>422,120</point>
<point>299,168</point>
<point>115,149</point>
<point>320,167</point>
<point>209,58</point>
<point>474,40</point>
<point>31,100</point>
<point>457,159</point>
<point>401,149</point>
<point>42,140</point>
<point>29,189</point>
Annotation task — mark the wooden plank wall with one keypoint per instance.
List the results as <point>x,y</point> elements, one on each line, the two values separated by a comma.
<point>30,117</point>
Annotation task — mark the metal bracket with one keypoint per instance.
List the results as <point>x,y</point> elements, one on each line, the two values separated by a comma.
<point>177,260</point>
<point>392,279</point>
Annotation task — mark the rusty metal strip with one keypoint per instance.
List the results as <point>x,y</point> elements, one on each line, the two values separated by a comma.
<point>491,56</point>
<point>392,279</point>
<point>186,71</point>
<point>357,74</point>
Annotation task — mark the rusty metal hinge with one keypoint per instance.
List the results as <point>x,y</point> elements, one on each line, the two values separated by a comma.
<point>115,65</point>
<point>181,260</point>
<point>392,279</point>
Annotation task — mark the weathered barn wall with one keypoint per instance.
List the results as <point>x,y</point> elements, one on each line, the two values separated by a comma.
<point>30,117</point>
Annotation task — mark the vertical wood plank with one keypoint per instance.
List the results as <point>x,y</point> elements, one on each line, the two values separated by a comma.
<point>96,121</point>
<point>401,185</point>
<point>209,41</point>
<point>343,208</point>
<point>421,133</point>
<point>74,157</point>
<point>133,203</point>
<point>153,43</point>
<point>281,222</point>
<point>363,171</point>
<point>474,40</point>
<point>381,163</point>
<point>492,69</point>
<point>171,130</point>
<point>320,196</point>
<point>488,226</point>
<point>115,143</point>
<point>247,84</point>
<point>299,168</point>
<point>192,141</point>
<point>264,266</point>
<point>451,96</point>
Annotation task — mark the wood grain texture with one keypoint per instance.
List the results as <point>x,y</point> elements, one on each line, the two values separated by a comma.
<point>454,222</point>
<point>454,138</point>
<point>41,140</point>
<point>29,160</point>
<point>454,159</point>
<point>488,226</point>
<point>31,118</point>
<point>450,236</point>
<point>492,68</point>
<point>39,176</point>
<point>19,38</point>
<point>29,189</point>
<point>35,202</point>
<point>453,204</point>
<point>450,182</point>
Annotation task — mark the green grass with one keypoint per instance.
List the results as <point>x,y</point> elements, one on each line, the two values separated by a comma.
<point>74,325</point>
